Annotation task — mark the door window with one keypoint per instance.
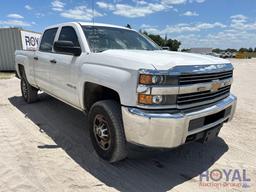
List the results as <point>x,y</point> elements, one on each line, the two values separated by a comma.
<point>47,40</point>
<point>69,34</point>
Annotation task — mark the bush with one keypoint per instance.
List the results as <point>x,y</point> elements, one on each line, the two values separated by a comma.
<point>241,55</point>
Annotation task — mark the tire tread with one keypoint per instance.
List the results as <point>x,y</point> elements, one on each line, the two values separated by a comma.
<point>32,91</point>
<point>114,112</point>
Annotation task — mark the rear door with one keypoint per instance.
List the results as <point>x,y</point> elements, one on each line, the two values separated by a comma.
<point>43,60</point>
<point>64,73</point>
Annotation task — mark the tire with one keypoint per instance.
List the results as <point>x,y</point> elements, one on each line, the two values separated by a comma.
<point>29,93</point>
<point>106,114</point>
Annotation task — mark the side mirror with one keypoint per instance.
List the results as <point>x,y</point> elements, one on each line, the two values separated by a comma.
<point>67,47</point>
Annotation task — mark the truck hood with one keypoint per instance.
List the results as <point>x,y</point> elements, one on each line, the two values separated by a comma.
<point>164,60</point>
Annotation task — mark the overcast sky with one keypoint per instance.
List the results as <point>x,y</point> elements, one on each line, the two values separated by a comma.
<point>196,23</point>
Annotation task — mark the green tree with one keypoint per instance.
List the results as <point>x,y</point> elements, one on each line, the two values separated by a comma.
<point>173,44</point>
<point>157,39</point>
<point>243,50</point>
<point>250,50</point>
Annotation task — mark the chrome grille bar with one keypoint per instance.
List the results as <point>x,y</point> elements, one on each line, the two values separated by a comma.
<point>202,94</point>
<point>203,98</point>
<point>191,79</point>
<point>186,106</point>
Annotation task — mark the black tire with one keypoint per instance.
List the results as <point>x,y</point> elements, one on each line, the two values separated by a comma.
<point>29,93</point>
<point>110,111</point>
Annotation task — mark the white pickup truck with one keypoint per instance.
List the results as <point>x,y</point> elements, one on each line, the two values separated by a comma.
<point>134,92</point>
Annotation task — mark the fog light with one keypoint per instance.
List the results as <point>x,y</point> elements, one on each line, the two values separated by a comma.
<point>157,99</point>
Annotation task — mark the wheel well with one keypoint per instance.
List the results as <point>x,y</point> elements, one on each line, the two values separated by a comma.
<point>94,92</point>
<point>20,69</point>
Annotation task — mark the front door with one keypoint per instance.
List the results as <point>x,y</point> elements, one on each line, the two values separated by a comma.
<point>64,73</point>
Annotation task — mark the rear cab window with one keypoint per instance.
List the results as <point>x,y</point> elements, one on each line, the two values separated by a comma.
<point>48,40</point>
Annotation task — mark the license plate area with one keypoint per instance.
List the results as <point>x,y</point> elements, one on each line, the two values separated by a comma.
<point>205,136</point>
<point>203,121</point>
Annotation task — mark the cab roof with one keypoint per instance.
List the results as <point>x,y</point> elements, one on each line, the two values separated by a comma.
<point>102,25</point>
<point>89,24</point>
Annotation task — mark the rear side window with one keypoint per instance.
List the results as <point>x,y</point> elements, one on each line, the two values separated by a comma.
<point>47,40</point>
<point>69,34</point>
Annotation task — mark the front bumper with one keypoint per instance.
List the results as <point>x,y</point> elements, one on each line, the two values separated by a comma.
<point>166,130</point>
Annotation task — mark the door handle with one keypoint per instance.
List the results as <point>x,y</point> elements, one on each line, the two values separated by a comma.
<point>35,58</point>
<point>53,61</point>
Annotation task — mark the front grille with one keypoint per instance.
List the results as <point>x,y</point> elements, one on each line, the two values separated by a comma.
<point>205,97</point>
<point>188,79</point>
<point>202,97</point>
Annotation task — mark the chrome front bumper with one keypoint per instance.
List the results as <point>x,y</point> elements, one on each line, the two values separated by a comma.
<point>167,130</point>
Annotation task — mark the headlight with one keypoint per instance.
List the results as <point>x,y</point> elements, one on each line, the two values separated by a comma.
<point>150,79</point>
<point>146,79</point>
<point>157,79</point>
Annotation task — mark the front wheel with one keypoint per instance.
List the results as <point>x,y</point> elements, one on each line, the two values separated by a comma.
<point>106,130</point>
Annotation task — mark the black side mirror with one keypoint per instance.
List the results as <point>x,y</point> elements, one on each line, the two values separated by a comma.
<point>67,47</point>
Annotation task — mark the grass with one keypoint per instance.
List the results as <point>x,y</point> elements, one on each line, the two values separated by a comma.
<point>7,75</point>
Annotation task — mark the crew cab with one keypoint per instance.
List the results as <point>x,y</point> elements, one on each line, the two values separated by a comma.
<point>132,90</point>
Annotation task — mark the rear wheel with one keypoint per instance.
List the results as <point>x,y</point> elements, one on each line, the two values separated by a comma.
<point>29,93</point>
<point>106,130</point>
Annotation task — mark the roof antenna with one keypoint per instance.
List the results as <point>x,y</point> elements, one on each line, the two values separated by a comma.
<point>128,26</point>
<point>93,28</point>
<point>93,11</point>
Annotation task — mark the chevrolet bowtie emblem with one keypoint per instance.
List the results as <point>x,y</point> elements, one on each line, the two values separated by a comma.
<point>215,86</point>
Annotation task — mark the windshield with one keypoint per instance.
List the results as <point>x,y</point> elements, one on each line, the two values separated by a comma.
<point>104,38</point>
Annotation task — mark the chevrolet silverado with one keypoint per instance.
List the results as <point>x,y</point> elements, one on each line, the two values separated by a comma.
<point>132,90</point>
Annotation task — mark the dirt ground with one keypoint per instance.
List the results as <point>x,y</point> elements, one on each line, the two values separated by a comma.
<point>45,147</point>
<point>6,75</point>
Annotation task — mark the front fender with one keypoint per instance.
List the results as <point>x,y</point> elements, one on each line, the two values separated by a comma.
<point>122,81</point>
